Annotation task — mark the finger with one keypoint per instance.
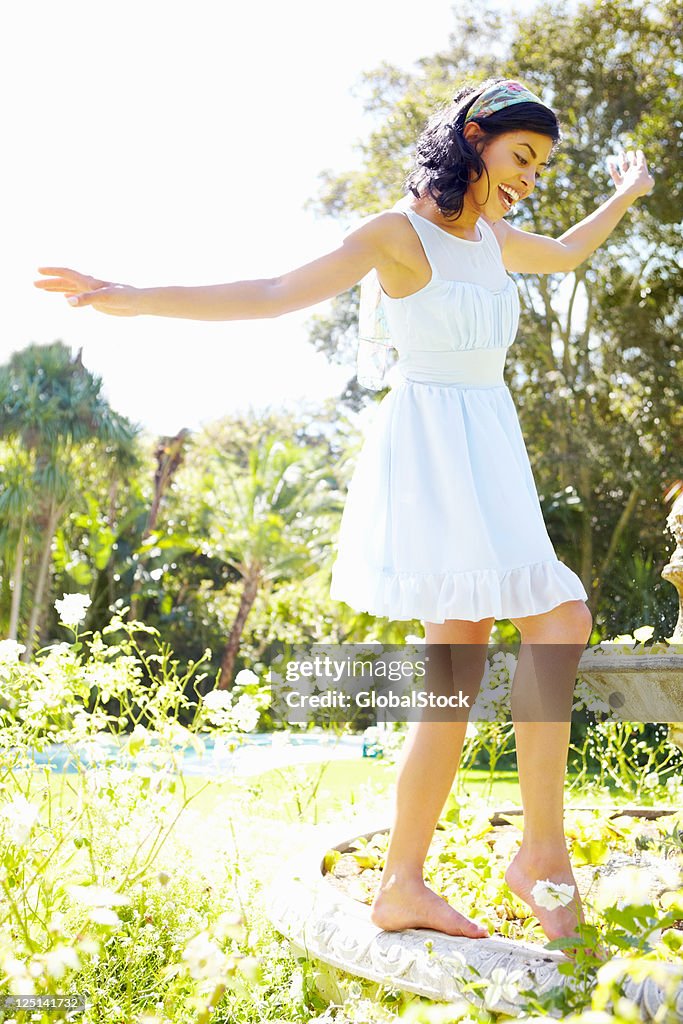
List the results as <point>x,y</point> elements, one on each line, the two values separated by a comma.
<point>56,285</point>
<point>59,271</point>
<point>613,169</point>
<point>65,273</point>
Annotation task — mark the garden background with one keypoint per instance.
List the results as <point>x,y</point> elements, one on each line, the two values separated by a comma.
<point>221,538</point>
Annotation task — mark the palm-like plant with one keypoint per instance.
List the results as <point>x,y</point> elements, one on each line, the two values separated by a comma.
<point>270,521</point>
<point>50,404</point>
<point>15,504</point>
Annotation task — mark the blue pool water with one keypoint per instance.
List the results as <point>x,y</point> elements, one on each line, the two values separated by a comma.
<point>246,754</point>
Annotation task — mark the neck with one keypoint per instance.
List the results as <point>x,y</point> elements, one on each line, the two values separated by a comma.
<point>463,226</point>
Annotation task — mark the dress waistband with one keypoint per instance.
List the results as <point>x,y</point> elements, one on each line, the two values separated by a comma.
<point>477,367</point>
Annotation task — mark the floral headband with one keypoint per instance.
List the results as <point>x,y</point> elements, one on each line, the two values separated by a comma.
<point>502,94</point>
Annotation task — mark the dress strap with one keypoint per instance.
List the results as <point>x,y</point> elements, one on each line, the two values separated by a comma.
<point>423,235</point>
<point>490,239</point>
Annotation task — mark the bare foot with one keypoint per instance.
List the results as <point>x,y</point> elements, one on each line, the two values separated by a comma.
<point>410,904</point>
<point>523,873</point>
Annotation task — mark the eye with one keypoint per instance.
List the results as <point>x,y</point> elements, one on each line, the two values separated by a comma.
<point>525,162</point>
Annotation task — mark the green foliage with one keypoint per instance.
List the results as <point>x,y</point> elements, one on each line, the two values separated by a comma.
<point>47,398</point>
<point>52,412</point>
<point>112,884</point>
<point>596,369</point>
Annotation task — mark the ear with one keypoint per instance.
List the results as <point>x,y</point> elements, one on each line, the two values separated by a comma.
<point>474,135</point>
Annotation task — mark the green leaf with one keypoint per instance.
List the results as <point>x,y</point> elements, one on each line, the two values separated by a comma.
<point>594,851</point>
<point>330,860</point>
<point>81,573</point>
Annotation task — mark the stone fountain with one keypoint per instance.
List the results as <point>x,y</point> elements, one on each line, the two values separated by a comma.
<point>326,924</point>
<point>646,687</point>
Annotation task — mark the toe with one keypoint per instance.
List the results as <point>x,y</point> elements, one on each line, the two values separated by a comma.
<point>473,930</point>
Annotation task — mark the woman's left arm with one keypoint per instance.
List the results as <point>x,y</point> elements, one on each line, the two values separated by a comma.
<point>528,253</point>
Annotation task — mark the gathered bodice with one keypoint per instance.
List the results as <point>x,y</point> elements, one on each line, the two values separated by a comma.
<point>457,328</point>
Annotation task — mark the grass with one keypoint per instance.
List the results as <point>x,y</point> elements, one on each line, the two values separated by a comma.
<point>309,792</point>
<point>312,792</point>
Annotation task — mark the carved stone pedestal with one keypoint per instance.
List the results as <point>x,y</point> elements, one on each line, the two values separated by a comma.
<point>327,925</point>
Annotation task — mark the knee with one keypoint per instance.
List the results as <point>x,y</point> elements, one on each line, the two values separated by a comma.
<point>569,623</point>
<point>576,623</point>
<point>581,622</point>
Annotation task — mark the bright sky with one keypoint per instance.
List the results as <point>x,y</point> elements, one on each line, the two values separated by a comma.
<point>159,143</point>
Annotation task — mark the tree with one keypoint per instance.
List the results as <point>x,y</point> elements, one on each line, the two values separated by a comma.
<point>15,505</point>
<point>169,458</point>
<point>276,525</point>
<point>596,368</point>
<point>51,404</point>
<point>261,498</point>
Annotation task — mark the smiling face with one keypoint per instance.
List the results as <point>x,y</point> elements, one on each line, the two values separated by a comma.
<point>514,160</point>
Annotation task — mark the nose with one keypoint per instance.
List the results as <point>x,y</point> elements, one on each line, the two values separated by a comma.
<point>529,182</point>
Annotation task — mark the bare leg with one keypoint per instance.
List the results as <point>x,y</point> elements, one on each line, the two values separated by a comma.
<point>430,760</point>
<point>542,690</point>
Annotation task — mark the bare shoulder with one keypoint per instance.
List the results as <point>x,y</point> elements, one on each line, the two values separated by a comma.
<point>390,234</point>
<point>399,258</point>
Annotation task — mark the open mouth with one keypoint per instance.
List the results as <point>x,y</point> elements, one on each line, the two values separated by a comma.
<point>505,199</point>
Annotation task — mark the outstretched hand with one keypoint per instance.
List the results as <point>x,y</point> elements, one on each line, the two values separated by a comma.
<point>82,290</point>
<point>630,174</point>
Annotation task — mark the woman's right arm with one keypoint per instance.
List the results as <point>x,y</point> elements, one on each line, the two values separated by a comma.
<point>373,244</point>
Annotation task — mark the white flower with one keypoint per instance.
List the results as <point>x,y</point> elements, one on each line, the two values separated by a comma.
<point>56,651</point>
<point>217,700</point>
<point>10,651</point>
<point>104,915</point>
<point>229,925</point>
<point>651,781</point>
<point>21,981</point>
<point>643,633</point>
<point>56,922</point>
<point>72,608</point>
<point>21,817</point>
<point>98,896</point>
<point>57,961</point>
<point>550,895</point>
<point>203,957</point>
<point>629,886</point>
<point>246,714</point>
<point>502,985</point>
<point>245,677</point>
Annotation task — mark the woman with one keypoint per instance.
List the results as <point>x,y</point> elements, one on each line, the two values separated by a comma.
<point>442,520</point>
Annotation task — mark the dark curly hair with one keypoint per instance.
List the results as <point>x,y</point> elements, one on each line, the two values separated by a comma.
<point>444,159</point>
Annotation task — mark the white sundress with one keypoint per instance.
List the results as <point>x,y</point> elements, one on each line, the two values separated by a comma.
<point>442,518</point>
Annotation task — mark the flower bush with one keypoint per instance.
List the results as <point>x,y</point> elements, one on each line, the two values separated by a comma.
<point>115,884</point>
<point>98,883</point>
